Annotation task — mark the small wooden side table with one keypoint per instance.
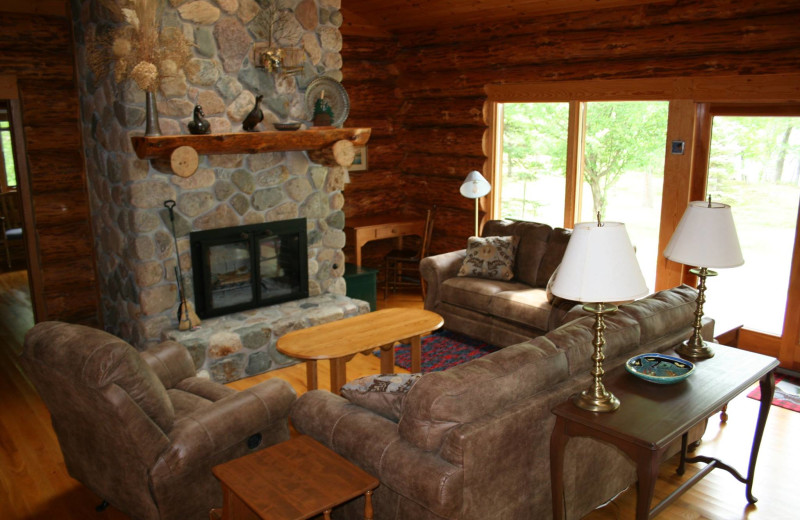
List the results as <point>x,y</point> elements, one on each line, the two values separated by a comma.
<point>294,480</point>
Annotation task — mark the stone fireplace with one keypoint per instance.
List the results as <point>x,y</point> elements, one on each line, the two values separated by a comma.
<point>134,245</point>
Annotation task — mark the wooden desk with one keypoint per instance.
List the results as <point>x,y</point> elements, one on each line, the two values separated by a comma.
<point>652,416</point>
<point>340,340</point>
<point>360,230</point>
<point>293,480</point>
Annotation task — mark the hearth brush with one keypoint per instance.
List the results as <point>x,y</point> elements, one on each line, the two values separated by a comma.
<point>187,318</point>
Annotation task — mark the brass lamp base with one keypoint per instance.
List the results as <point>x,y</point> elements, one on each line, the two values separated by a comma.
<point>690,350</point>
<point>596,398</point>
<point>695,348</point>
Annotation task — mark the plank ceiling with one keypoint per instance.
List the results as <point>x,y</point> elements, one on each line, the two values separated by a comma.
<point>410,16</point>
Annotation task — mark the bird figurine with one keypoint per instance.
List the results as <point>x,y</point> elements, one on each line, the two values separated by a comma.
<point>199,125</point>
<point>254,117</point>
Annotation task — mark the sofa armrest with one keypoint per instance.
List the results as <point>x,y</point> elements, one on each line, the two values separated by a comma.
<point>171,362</point>
<point>209,430</point>
<point>438,268</point>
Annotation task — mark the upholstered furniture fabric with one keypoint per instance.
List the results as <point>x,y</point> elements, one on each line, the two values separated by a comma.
<point>140,429</point>
<point>473,441</point>
<point>500,311</point>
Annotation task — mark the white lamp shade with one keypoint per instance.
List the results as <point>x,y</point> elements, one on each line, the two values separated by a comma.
<point>706,237</point>
<point>475,186</point>
<point>599,265</point>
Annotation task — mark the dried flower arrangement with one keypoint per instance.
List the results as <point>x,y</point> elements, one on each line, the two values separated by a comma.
<point>139,49</point>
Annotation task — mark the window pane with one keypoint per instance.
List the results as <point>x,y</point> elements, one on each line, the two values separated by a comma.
<point>534,161</point>
<point>624,171</point>
<point>8,154</point>
<point>754,165</point>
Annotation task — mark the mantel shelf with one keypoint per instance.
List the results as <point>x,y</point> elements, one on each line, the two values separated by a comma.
<point>248,142</point>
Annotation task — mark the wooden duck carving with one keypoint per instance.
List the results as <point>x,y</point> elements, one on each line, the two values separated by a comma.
<point>254,117</point>
<point>199,125</point>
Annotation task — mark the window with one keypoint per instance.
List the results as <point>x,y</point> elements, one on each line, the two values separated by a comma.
<point>620,174</point>
<point>8,175</point>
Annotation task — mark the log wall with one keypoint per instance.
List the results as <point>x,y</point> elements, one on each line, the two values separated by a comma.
<point>443,75</point>
<point>37,50</point>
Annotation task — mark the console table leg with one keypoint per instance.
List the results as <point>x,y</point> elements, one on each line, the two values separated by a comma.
<point>767,386</point>
<point>647,473</point>
<point>682,464</point>
<point>368,505</point>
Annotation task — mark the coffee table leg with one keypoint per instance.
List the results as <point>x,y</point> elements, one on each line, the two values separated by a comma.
<point>368,505</point>
<point>416,354</point>
<point>311,374</point>
<point>327,514</point>
<point>767,385</point>
<point>338,374</point>
<point>387,359</point>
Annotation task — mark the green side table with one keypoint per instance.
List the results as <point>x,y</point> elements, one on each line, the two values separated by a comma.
<point>361,283</point>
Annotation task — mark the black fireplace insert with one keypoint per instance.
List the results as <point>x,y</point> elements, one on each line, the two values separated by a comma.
<point>244,267</point>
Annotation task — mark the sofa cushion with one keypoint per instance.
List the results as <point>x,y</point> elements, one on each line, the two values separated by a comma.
<point>663,312</point>
<point>526,306</point>
<point>382,393</point>
<point>533,238</point>
<point>475,293</point>
<point>490,257</point>
<point>575,338</point>
<point>441,401</point>
<point>556,246</point>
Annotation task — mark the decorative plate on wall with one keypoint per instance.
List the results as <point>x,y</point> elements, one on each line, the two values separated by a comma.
<point>335,95</point>
<point>658,368</point>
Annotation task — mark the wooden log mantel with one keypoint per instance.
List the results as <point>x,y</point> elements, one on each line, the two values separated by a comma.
<point>162,148</point>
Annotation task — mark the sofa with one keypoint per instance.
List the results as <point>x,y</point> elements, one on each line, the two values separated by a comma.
<point>139,428</point>
<point>472,442</point>
<point>499,311</point>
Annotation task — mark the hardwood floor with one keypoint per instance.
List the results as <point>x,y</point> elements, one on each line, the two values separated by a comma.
<point>34,483</point>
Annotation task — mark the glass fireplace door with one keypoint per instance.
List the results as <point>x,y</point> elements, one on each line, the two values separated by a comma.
<point>231,274</point>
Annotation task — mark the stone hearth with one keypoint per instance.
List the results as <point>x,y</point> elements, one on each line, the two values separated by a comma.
<point>242,344</point>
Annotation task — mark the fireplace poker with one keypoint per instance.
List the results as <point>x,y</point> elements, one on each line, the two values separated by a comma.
<point>187,319</point>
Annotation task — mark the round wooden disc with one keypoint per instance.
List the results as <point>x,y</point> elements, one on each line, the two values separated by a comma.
<point>184,161</point>
<point>344,152</point>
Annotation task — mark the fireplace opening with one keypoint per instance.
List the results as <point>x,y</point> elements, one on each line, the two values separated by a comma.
<point>244,267</point>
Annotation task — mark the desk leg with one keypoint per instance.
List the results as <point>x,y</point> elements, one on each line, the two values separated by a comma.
<point>338,374</point>
<point>311,374</point>
<point>416,354</point>
<point>387,359</point>
<point>558,440</point>
<point>767,385</point>
<point>647,462</point>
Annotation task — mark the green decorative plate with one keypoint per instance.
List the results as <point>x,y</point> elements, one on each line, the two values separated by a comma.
<point>658,368</point>
<point>335,95</point>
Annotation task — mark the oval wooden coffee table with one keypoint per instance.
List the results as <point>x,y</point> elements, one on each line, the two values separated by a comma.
<point>340,340</point>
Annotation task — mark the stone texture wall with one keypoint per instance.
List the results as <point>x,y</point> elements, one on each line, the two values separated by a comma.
<point>134,245</point>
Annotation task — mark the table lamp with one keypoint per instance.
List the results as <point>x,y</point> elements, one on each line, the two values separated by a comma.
<point>705,237</point>
<point>599,266</point>
<point>475,186</point>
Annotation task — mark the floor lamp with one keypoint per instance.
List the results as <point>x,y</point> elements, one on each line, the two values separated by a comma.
<point>599,266</point>
<point>705,237</point>
<point>475,186</point>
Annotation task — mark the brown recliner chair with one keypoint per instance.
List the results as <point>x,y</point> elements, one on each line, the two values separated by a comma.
<point>140,429</point>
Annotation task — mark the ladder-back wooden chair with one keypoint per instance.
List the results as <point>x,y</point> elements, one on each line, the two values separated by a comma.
<point>401,266</point>
<point>10,221</point>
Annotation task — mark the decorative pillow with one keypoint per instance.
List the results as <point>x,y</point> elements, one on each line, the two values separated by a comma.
<point>382,393</point>
<point>490,257</point>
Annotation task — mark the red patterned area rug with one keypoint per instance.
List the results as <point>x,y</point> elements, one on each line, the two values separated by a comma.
<point>787,392</point>
<point>441,350</point>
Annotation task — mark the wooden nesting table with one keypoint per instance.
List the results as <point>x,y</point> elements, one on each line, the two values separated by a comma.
<point>293,480</point>
<point>340,340</point>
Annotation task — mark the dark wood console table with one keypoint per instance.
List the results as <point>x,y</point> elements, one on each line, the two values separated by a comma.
<point>652,416</point>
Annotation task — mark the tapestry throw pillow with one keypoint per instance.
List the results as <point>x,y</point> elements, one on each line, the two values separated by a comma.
<point>382,393</point>
<point>490,257</point>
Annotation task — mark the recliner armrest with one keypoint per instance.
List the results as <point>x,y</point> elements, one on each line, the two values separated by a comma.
<point>202,434</point>
<point>171,362</point>
<point>438,268</point>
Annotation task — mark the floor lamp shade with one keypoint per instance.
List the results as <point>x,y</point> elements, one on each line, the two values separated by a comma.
<point>475,186</point>
<point>599,265</point>
<point>706,237</point>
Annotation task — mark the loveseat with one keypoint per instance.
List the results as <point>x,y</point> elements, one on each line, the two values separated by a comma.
<point>501,312</point>
<point>472,442</point>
